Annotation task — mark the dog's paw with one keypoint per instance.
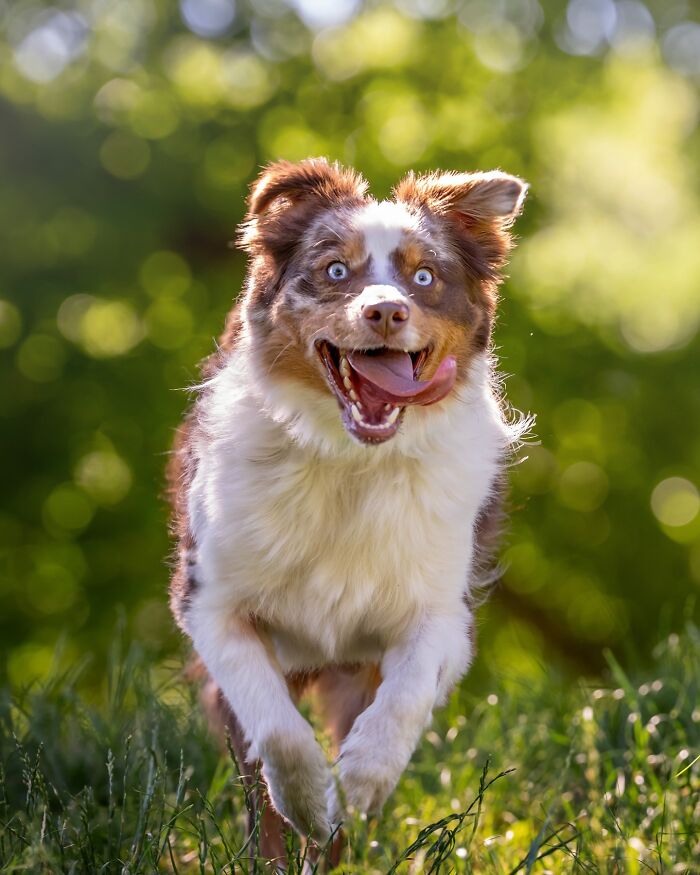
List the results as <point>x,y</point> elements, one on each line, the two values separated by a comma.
<point>298,777</point>
<point>368,771</point>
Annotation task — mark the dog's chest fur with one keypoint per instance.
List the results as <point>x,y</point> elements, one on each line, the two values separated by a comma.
<point>332,547</point>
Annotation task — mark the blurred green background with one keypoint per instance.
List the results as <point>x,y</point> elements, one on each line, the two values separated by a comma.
<point>129,131</point>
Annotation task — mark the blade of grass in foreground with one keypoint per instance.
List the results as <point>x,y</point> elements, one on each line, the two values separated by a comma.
<point>607,781</point>
<point>447,829</point>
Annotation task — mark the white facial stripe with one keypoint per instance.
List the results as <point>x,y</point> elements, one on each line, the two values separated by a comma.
<point>383,225</point>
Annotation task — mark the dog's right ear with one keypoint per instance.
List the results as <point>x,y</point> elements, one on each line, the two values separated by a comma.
<point>285,196</point>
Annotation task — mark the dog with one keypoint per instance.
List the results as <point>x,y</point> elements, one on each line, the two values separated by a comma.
<point>339,475</point>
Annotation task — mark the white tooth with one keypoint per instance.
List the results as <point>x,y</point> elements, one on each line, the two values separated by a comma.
<point>344,366</point>
<point>393,416</point>
<point>353,394</point>
<point>347,383</point>
<point>387,406</point>
<point>355,413</point>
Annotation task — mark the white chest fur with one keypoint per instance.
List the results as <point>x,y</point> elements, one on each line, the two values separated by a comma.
<point>335,548</point>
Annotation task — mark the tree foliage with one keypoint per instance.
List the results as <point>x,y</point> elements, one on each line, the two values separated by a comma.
<point>130,133</point>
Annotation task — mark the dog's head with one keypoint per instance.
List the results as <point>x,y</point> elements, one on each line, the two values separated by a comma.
<point>383,304</point>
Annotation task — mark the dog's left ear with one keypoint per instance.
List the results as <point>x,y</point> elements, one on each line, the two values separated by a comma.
<point>492,198</point>
<point>478,207</point>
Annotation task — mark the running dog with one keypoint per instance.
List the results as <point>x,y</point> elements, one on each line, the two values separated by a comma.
<point>339,474</point>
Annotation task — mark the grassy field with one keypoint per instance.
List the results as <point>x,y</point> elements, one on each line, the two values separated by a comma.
<point>547,778</point>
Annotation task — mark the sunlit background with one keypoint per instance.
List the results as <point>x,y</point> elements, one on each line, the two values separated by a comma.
<point>129,132</point>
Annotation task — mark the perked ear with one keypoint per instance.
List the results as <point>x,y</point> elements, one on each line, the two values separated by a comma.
<point>285,193</point>
<point>475,198</point>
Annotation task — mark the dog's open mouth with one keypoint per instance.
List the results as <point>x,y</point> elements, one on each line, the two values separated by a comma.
<point>374,386</point>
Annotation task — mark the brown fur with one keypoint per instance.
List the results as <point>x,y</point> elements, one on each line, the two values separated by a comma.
<point>180,472</point>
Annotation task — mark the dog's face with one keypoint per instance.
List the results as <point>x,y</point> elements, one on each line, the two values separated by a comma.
<point>382,304</point>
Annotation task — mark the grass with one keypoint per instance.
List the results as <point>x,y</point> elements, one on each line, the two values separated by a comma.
<point>537,778</point>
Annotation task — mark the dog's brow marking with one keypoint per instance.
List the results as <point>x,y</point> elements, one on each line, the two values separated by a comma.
<point>382,226</point>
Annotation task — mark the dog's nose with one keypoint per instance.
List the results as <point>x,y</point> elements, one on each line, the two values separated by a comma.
<point>386,317</point>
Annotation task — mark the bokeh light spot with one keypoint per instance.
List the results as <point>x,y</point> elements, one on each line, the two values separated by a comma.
<point>109,328</point>
<point>104,476</point>
<point>428,9</point>
<point>583,486</point>
<point>537,473</point>
<point>675,501</point>
<point>154,115</point>
<point>29,662</point>
<point>45,51</point>
<point>227,163</point>
<point>325,13</point>
<point>681,47</point>
<point>405,135</point>
<point>247,80</point>
<point>598,616</point>
<point>152,622</point>
<point>124,156</point>
<point>380,39</point>
<point>10,324</point>
<point>208,18</point>
<point>526,568</point>
<point>166,274</point>
<point>71,232</point>
<point>41,358</point>
<point>196,70</point>
<point>634,27</point>
<point>169,323</point>
<point>52,589</point>
<point>67,508</point>
<point>114,100</point>
<point>500,48</point>
<point>293,142</point>
<point>70,315</point>
<point>517,652</point>
<point>590,23</point>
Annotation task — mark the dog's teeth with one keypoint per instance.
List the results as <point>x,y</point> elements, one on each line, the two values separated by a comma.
<point>355,413</point>
<point>353,395</point>
<point>344,367</point>
<point>347,383</point>
<point>393,416</point>
<point>387,407</point>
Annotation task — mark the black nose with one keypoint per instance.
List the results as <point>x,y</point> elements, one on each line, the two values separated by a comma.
<point>386,317</point>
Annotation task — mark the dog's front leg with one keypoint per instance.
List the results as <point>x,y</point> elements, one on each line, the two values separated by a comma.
<point>417,674</point>
<point>294,766</point>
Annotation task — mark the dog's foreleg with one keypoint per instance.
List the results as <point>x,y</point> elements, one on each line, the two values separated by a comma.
<point>417,674</point>
<point>294,765</point>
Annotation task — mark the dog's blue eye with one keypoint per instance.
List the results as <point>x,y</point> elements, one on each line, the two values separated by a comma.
<point>337,271</point>
<point>423,277</point>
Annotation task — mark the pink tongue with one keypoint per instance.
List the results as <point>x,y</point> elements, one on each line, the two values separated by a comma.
<point>390,376</point>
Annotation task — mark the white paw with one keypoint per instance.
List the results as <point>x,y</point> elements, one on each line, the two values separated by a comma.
<point>298,778</point>
<point>368,771</point>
